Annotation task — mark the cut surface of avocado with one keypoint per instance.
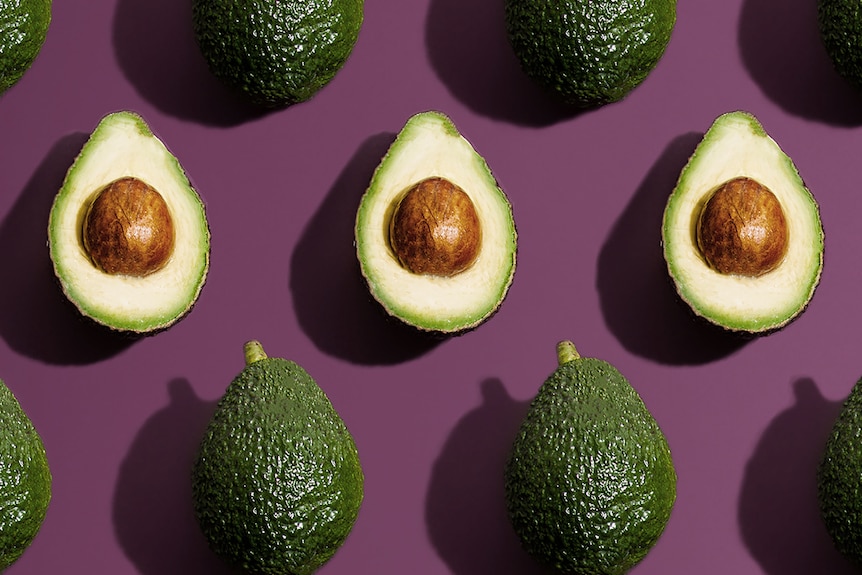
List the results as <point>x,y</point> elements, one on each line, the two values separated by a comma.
<point>430,148</point>
<point>123,149</point>
<point>735,148</point>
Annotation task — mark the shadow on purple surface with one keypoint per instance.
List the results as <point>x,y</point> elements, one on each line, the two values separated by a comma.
<point>638,299</point>
<point>778,508</point>
<point>152,507</point>
<point>156,48</point>
<point>782,50</point>
<point>465,509</point>
<point>470,52</point>
<point>37,320</point>
<point>332,303</point>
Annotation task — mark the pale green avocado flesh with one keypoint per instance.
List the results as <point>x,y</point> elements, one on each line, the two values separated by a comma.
<point>430,145</point>
<point>737,145</point>
<point>123,145</point>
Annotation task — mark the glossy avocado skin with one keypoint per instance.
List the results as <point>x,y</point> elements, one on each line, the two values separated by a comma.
<point>840,26</point>
<point>839,479</point>
<point>277,482</point>
<point>590,482</point>
<point>24,25</point>
<point>25,480</point>
<point>276,53</point>
<point>589,53</point>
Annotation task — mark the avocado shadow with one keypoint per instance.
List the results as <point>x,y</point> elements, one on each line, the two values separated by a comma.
<point>37,319</point>
<point>155,46</point>
<point>779,514</point>
<point>638,299</point>
<point>783,53</point>
<point>153,512</point>
<point>465,509</point>
<point>470,52</point>
<point>332,302</point>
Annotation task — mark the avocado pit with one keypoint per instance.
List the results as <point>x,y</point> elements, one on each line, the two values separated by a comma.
<point>128,229</point>
<point>435,229</point>
<point>742,229</point>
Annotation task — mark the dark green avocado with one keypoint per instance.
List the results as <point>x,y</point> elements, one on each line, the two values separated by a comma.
<point>277,483</point>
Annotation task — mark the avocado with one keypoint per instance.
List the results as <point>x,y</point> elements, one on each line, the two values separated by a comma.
<point>25,480</point>
<point>23,29</point>
<point>741,234</point>
<point>277,483</point>
<point>589,53</point>
<point>435,234</point>
<point>839,479</point>
<point>127,234</point>
<point>840,26</point>
<point>276,53</point>
<point>590,483</point>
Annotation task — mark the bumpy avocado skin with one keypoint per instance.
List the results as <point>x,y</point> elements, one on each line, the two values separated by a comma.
<point>277,482</point>
<point>839,479</point>
<point>840,25</point>
<point>586,52</point>
<point>23,28</point>
<point>25,480</point>
<point>276,53</point>
<point>590,482</point>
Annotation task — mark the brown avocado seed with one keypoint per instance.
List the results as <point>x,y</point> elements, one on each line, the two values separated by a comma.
<point>435,229</point>
<point>128,229</point>
<point>742,229</point>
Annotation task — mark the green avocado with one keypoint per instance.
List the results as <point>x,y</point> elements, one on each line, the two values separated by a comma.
<point>590,483</point>
<point>25,480</point>
<point>23,28</point>
<point>277,483</point>
<point>589,52</point>
<point>759,264</point>
<point>840,26</point>
<point>435,235</point>
<point>839,479</point>
<point>127,233</point>
<point>276,52</point>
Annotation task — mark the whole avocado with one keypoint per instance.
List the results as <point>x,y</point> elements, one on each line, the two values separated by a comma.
<point>277,482</point>
<point>23,28</point>
<point>276,52</point>
<point>590,482</point>
<point>25,480</point>
<point>840,25</point>
<point>589,52</point>
<point>839,479</point>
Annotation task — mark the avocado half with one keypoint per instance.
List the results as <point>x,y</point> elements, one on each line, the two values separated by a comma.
<point>736,147</point>
<point>122,148</point>
<point>430,148</point>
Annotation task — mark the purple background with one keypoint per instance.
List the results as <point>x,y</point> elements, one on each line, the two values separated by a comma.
<point>433,421</point>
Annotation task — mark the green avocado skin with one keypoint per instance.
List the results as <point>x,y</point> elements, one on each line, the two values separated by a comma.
<point>840,25</point>
<point>25,480</point>
<point>589,52</point>
<point>590,483</point>
<point>276,52</point>
<point>277,483</point>
<point>839,479</point>
<point>23,28</point>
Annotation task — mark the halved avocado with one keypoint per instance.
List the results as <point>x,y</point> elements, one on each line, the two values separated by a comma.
<point>742,234</point>
<point>435,234</point>
<point>128,235</point>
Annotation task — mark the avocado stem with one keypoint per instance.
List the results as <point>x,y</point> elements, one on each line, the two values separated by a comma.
<point>566,352</point>
<point>253,352</point>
